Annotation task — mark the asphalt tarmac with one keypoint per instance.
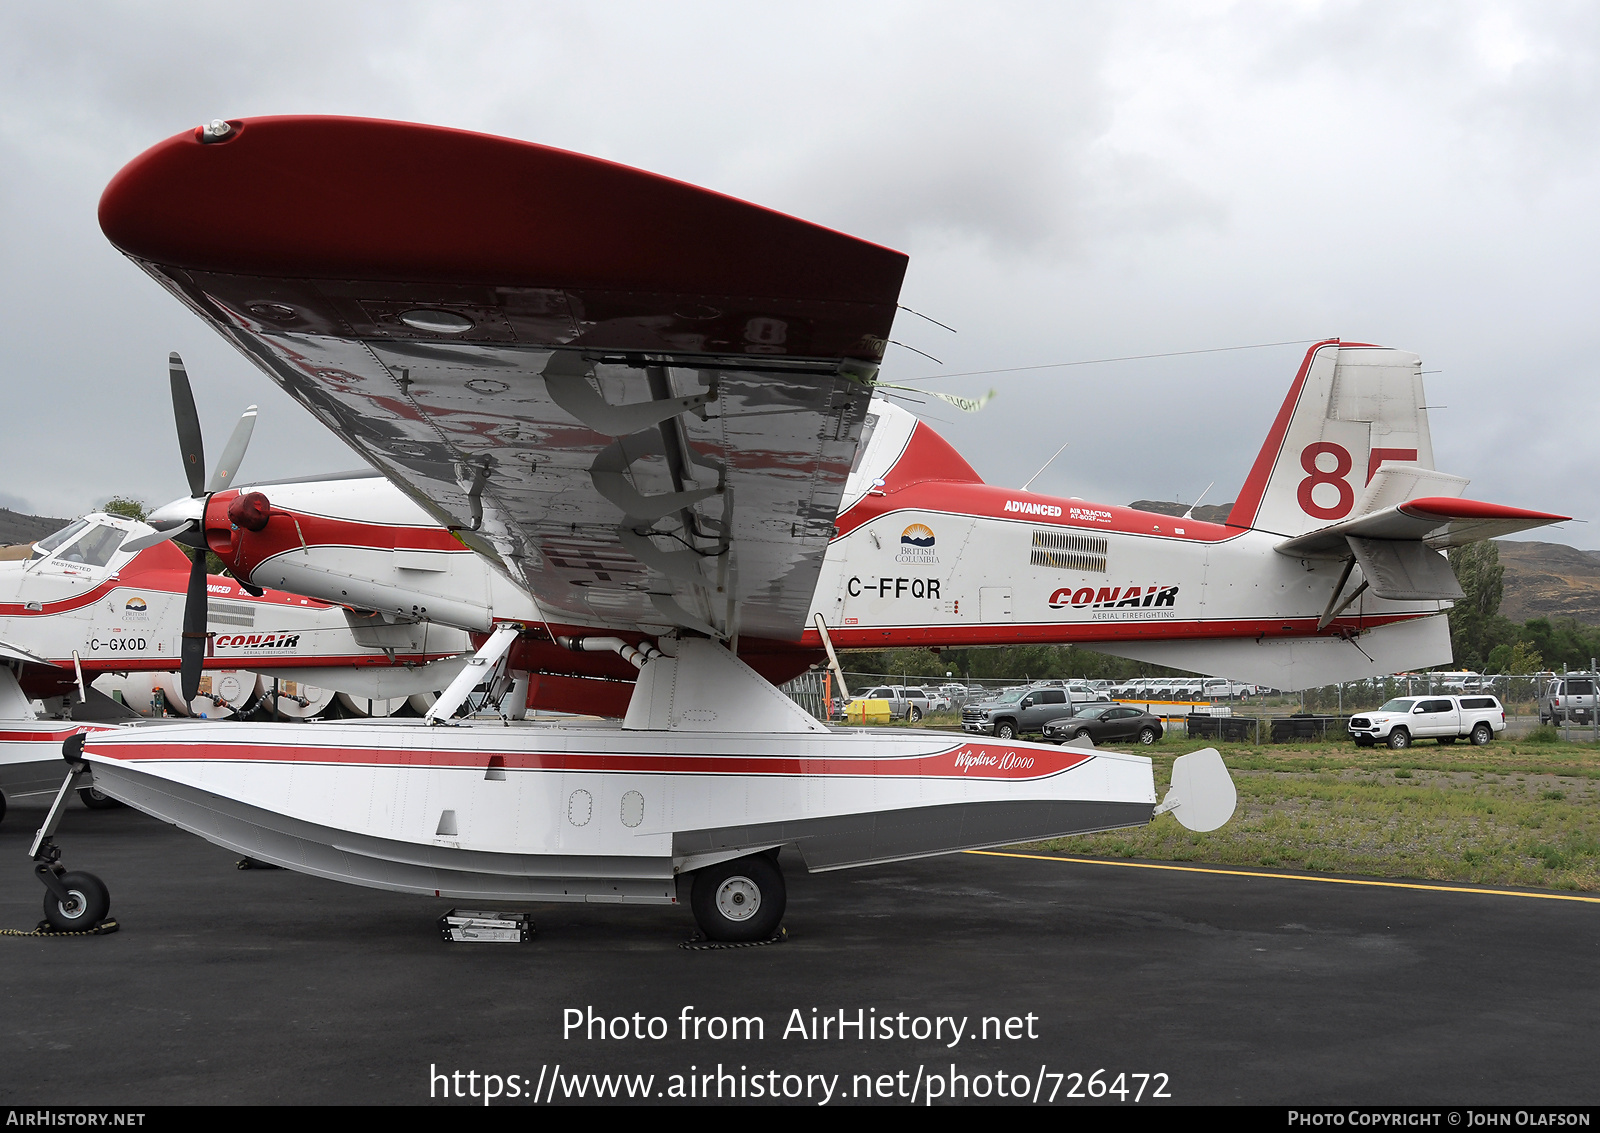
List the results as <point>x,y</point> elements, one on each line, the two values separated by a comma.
<point>268,987</point>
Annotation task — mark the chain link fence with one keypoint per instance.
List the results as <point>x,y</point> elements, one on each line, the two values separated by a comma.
<point>1257,716</point>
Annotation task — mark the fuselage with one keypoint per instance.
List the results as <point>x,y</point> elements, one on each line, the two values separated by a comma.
<point>924,554</point>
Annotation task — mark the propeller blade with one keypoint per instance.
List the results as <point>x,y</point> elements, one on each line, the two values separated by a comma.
<point>222,475</point>
<point>150,540</point>
<point>190,446</point>
<point>193,652</point>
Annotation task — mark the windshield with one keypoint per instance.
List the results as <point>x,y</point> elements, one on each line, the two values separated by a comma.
<point>51,542</point>
<point>94,549</point>
<point>1093,710</point>
<point>1012,696</point>
<point>1398,706</point>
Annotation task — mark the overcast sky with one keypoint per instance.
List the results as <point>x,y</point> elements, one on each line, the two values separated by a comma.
<point>1071,181</point>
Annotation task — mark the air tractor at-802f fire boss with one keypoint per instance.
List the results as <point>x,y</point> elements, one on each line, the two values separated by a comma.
<point>926,554</point>
<point>645,414</point>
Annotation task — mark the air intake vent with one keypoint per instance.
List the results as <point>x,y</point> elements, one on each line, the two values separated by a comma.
<point>1065,551</point>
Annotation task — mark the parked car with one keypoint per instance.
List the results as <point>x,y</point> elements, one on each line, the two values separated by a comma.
<point>1016,712</point>
<point>1570,697</point>
<point>1457,682</point>
<point>1106,722</point>
<point>905,703</point>
<point>938,700</point>
<point>1406,719</point>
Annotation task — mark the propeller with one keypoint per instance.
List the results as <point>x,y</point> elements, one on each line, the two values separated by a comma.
<point>184,519</point>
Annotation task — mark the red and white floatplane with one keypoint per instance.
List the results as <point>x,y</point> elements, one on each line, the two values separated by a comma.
<point>627,436</point>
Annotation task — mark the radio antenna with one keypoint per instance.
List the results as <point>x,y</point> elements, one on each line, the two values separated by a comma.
<point>1196,503</point>
<point>1045,465</point>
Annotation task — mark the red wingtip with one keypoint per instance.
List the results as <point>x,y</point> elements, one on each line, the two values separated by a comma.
<point>355,198</point>
<point>1447,507</point>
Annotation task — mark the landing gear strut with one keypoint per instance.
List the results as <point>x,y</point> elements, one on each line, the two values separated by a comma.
<point>74,902</point>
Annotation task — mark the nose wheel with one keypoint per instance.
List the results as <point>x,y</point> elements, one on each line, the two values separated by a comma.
<point>77,902</point>
<point>73,901</point>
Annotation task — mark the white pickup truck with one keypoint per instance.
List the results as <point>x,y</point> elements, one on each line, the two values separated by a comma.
<point>1444,718</point>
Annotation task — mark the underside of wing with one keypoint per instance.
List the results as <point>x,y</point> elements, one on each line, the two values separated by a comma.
<point>639,398</point>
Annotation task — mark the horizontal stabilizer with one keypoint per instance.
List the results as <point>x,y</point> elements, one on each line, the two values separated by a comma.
<point>1438,521</point>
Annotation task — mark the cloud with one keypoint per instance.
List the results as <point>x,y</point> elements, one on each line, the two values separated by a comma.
<point>1070,181</point>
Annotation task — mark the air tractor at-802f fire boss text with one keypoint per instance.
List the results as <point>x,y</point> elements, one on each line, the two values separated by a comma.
<point>645,414</point>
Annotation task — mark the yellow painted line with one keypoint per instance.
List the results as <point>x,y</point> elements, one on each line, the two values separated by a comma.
<point>1293,877</point>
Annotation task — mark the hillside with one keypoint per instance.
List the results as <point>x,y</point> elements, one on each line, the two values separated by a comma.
<point>18,528</point>
<point>1205,513</point>
<point>1550,580</point>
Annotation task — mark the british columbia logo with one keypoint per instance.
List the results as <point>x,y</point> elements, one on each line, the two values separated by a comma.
<point>916,545</point>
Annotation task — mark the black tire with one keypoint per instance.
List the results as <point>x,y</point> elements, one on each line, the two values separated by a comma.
<point>1147,735</point>
<point>1481,733</point>
<point>914,713</point>
<point>92,903</point>
<point>1005,730</point>
<point>740,900</point>
<point>94,800</point>
<point>1081,733</point>
<point>1446,741</point>
<point>1399,738</point>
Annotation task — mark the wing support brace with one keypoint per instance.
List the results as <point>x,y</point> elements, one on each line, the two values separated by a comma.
<point>1330,612</point>
<point>1396,569</point>
<point>833,658</point>
<point>474,673</point>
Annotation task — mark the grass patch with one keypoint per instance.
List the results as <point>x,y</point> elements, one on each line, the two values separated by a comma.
<point>1512,813</point>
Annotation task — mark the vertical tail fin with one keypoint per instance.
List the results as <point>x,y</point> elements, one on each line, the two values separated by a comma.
<point>1352,408</point>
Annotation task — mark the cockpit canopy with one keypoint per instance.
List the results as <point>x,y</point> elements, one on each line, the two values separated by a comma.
<point>87,543</point>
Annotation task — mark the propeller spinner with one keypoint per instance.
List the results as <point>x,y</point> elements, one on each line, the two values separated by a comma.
<point>183,519</point>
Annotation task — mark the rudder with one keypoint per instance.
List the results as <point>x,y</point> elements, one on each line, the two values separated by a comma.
<point>1352,408</point>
